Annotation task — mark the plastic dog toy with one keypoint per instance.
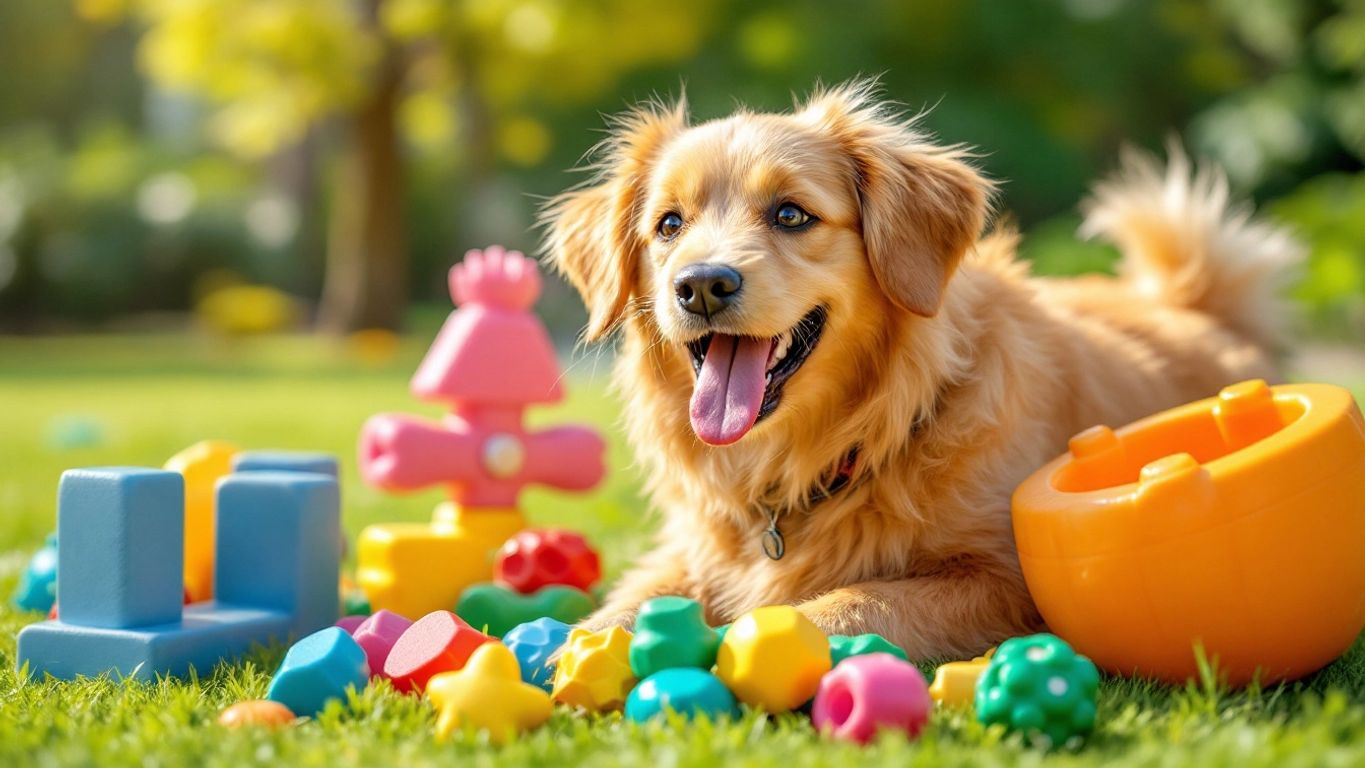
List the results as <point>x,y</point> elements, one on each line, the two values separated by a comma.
<point>1039,686</point>
<point>37,590</point>
<point>594,670</point>
<point>871,692</point>
<point>534,644</point>
<point>438,642</point>
<point>317,669</point>
<point>538,558</point>
<point>257,712</point>
<point>686,690</point>
<point>773,658</point>
<point>491,360</point>
<point>955,682</point>
<point>488,695</point>
<point>1198,524</point>
<point>670,632</point>
<point>377,635</point>
<point>495,609</point>
<point>844,647</point>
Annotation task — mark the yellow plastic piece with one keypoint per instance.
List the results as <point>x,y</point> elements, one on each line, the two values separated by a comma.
<point>593,671</point>
<point>773,658</point>
<point>488,695</point>
<point>413,569</point>
<point>1236,523</point>
<point>955,682</point>
<point>202,464</point>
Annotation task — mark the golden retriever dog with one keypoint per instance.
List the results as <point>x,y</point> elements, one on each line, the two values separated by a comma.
<point>834,381</point>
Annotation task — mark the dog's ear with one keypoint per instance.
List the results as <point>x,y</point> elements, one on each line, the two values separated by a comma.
<point>595,235</point>
<point>922,205</point>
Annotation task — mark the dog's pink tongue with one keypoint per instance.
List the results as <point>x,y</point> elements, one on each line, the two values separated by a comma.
<point>729,389</point>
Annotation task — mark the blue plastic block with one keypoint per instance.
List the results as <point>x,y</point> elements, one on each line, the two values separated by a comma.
<point>269,526</point>
<point>120,534</point>
<point>317,669</point>
<point>533,643</point>
<point>37,589</point>
<point>686,690</point>
<point>207,633</point>
<point>286,461</point>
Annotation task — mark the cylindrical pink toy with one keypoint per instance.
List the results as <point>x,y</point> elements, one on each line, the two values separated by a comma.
<point>377,636</point>
<point>865,694</point>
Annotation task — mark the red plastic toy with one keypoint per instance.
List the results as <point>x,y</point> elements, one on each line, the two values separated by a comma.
<point>438,642</point>
<point>543,557</point>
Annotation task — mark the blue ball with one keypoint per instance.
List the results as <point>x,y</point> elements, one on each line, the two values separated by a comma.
<point>317,669</point>
<point>533,643</point>
<point>686,690</point>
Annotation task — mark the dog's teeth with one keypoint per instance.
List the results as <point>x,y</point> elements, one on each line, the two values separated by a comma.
<point>768,379</point>
<point>784,343</point>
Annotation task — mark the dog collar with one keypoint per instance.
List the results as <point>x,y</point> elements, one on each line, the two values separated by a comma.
<point>772,542</point>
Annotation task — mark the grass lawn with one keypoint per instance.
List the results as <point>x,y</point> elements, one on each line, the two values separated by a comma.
<point>151,396</point>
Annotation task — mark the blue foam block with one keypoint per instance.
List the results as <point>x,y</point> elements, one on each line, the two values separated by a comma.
<point>533,643</point>
<point>317,669</point>
<point>269,529</point>
<point>208,633</point>
<point>285,461</point>
<point>120,534</point>
<point>37,588</point>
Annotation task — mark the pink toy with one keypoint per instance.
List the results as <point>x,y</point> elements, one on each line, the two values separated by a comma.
<point>490,361</point>
<point>378,635</point>
<point>350,623</point>
<point>867,693</point>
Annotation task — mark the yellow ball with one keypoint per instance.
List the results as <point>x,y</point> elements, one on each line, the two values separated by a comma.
<point>593,671</point>
<point>773,658</point>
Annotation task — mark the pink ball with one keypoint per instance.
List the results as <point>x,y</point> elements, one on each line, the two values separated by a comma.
<point>867,693</point>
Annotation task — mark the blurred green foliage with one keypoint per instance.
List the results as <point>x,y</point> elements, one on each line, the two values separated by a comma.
<point>154,145</point>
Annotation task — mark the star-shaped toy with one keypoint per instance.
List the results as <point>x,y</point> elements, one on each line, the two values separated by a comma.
<point>488,695</point>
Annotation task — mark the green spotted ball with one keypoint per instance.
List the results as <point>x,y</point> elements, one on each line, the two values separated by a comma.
<point>1039,687</point>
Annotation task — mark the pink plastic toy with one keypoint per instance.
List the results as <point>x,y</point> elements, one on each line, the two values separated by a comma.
<point>350,623</point>
<point>867,693</point>
<point>491,360</point>
<point>377,636</point>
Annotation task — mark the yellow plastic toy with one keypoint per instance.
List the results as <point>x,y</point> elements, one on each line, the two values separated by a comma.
<point>202,464</point>
<point>955,682</point>
<point>773,658</point>
<point>593,671</point>
<point>413,569</point>
<point>1236,523</point>
<point>488,695</point>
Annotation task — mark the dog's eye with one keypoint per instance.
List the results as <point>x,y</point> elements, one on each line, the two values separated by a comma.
<point>790,216</point>
<point>669,225</point>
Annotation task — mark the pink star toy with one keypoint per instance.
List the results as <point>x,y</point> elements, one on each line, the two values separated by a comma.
<point>491,360</point>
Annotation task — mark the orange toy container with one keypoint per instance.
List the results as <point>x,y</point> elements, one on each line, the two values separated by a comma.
<point>1236,523</point>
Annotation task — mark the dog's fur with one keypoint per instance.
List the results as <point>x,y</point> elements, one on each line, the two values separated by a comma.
<point>954,372</point>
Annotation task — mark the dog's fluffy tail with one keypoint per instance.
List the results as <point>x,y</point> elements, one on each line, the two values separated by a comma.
<point>1186,243</point>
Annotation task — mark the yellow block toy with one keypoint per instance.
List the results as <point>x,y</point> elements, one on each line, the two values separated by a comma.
<point>202,464</point>
<point>413,569</point>
<point>488,695</point>
<point>1236,523</point>
<point>773,658</point>
<point>955,682</point>
<point>593,671</point>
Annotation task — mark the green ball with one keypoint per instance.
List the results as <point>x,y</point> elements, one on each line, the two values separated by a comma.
<point>1040,687</point>
<point>671,632</point>
<point>843,646</point>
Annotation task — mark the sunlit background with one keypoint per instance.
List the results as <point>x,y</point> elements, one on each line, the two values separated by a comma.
<point>243,166</point>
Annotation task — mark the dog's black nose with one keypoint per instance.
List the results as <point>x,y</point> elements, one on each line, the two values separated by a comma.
<point>705,289</point>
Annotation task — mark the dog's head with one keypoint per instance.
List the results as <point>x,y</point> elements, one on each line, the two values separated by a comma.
<point>766,249</point>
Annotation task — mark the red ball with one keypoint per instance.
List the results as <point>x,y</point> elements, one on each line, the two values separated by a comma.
<point>542,557</point>
<point>438,642</point>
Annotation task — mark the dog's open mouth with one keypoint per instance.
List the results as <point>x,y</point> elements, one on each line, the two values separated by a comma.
<point>740,378</point>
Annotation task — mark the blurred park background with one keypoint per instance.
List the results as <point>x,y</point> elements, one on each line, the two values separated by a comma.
<point>256,165</point>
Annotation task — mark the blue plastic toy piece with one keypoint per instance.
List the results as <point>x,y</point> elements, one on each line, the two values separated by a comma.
<point>686,690</point>
<point>128,524</point>
<point>533,643</point>
<point>286,461</point>
<point>271,588</point>
<point>317,669</point>
<point>269,524</point>
<point>37,589</point>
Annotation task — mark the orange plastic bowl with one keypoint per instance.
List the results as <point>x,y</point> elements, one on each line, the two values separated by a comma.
<point>1235,523</point>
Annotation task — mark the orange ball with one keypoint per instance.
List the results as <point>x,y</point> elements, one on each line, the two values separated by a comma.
<point>270,714</point>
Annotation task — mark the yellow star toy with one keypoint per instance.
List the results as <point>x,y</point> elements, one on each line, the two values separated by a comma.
<point>488,695</point>
<point>593,671</point>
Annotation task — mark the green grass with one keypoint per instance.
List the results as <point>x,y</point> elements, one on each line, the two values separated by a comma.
<point>151,396</point>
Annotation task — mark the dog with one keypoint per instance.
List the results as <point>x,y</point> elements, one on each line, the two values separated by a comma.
<point>833,379</point>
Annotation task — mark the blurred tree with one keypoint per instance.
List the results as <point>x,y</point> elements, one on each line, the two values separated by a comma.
<point>430,70</point>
